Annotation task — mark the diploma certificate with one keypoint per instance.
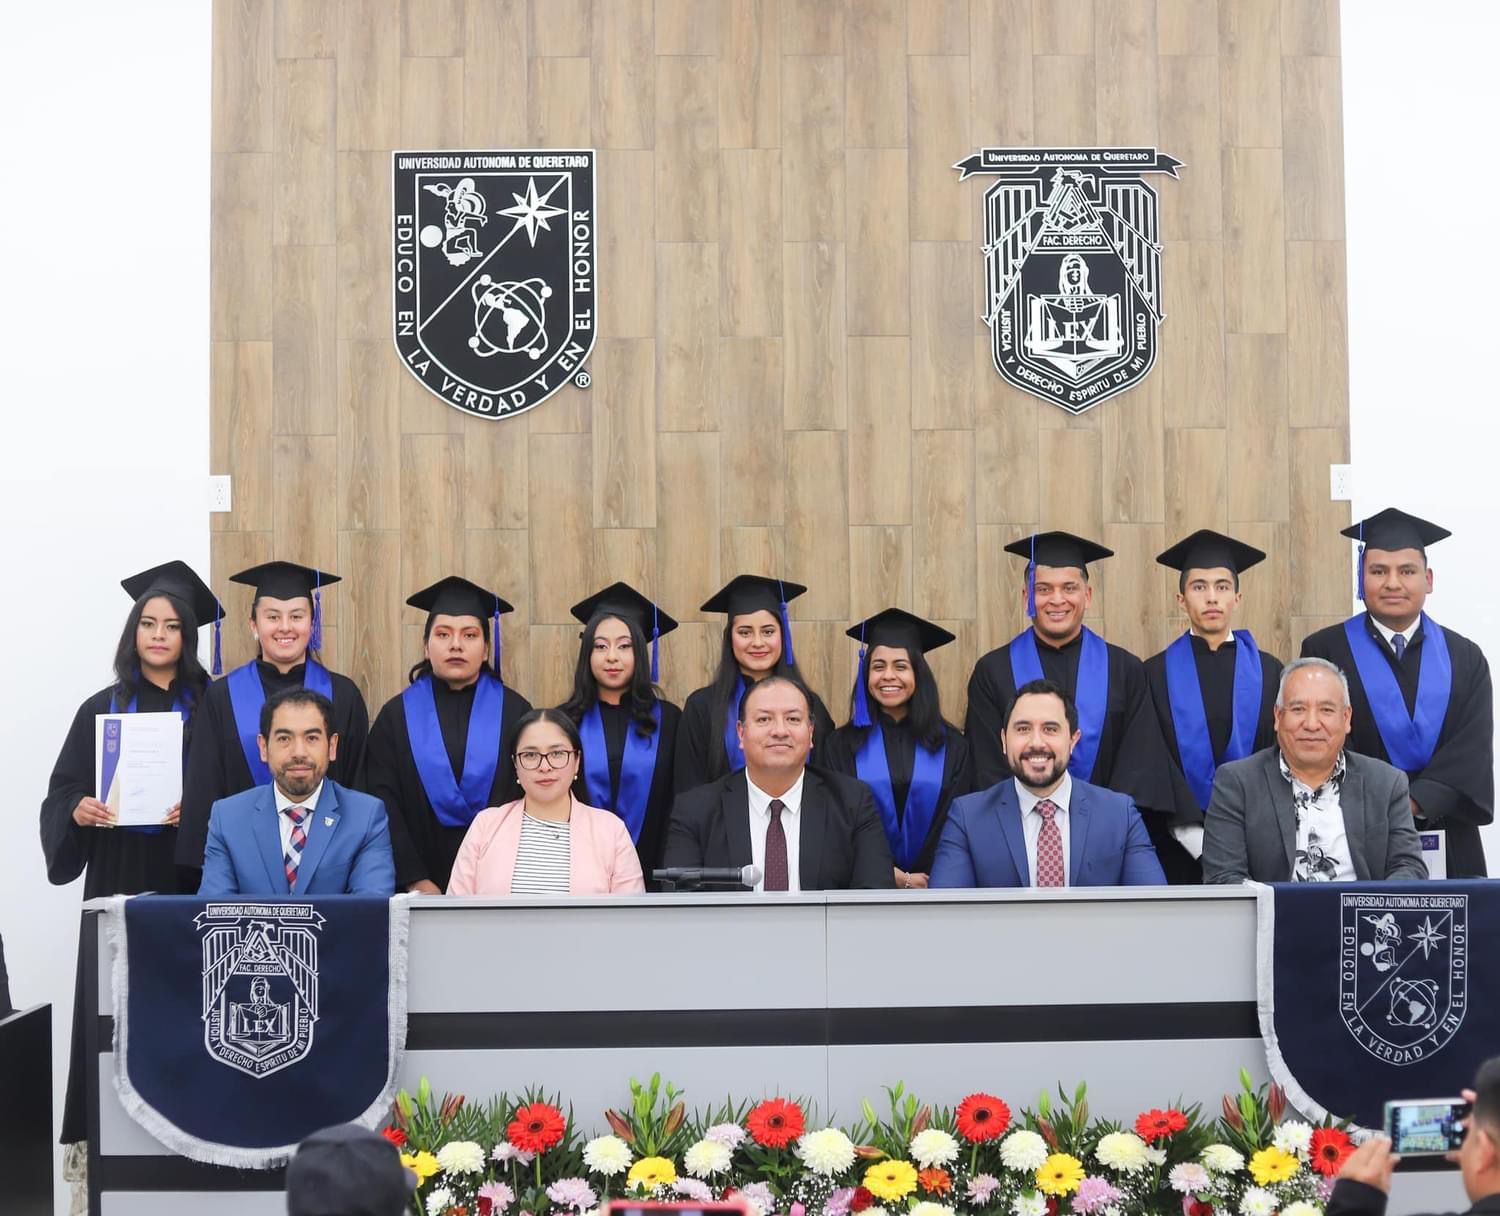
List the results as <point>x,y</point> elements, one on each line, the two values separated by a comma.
<point>138,765</point>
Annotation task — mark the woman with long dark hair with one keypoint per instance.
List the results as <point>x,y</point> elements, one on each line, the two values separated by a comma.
<point>628,729</point>
<point>897,742</point>
<point>757,643</point>
<point>156,670</point>
<point>436,756</point>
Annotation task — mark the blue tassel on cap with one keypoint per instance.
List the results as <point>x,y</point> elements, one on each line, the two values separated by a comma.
<point>1359,567</point>
<point>495,636</point>
<point>861,693</point>
<point>218,667</point>
<point>786,630</point>
<point>316,641</point>
<point>1031,580</point>
<point>655,646</point>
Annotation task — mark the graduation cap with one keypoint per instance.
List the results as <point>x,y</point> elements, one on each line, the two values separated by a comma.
<point>454,596</point>
<point>1054,549</point>
<point>179,579</point>
<point>1210,550</point>
<point>624,601</point>
<point>891,627</point>
<point>1390,529</point>
<point>289,581</point>
<point>747,593</point>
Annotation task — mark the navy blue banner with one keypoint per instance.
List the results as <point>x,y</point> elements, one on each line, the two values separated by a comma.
<point>243,1025</point>
<point>1369,992</point>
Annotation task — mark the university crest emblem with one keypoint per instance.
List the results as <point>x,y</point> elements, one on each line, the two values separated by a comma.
<point>1403,970</point>
<point>494,274</point>
<point>1072,268</point>
<point>260,984</point>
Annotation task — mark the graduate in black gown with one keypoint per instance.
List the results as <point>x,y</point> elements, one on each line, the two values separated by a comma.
<point>1213,688</point>
<point>757,642</point>
<point>629,730</point>
<point>437,754</point>
<point>1401,690</point>
<point>156,671</point>
<point>286,621</point>
<point>897,741</point>
<point>1122,746</point>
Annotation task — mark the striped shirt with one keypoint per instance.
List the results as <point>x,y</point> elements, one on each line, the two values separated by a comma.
<point>543,862</point>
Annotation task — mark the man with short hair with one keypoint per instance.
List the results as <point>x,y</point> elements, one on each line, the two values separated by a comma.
<point>302,834</point>
<point>1043,827</point>
<point>348,1170</point>
<point>1306,809</point>
<point>804,829</point>
<point>1421,693</point>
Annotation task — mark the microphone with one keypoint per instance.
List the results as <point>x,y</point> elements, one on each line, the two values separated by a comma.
<point>746,876</point>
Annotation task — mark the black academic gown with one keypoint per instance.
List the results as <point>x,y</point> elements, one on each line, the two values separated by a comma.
<point>617,722</point>
<point>113,861</point>
<point>424,846</point>
<point>1456,790</point>
<point>216,764</point>
<point>1216,683</point>
<point>700,747</point>
<point>900,755</point>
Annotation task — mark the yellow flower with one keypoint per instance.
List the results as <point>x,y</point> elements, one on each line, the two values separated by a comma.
<point>1060,1174</point>
<point>424,1165</point>
<point>1273,1165</point>
<point>649,1172</point>
<point>891,1180</point>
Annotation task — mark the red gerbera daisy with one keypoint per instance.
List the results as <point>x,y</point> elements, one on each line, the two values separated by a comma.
<point>982,1117</point>
<point>395,1135</point>
<point>935,1181</point>
<point>1159,1124</point>
<point>536,1128</point>
<point>775,1123</point>
<point>1329,1149</point>
<point>862,1198</point>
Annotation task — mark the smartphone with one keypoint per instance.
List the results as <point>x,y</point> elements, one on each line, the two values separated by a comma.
<point>1424,1127</point>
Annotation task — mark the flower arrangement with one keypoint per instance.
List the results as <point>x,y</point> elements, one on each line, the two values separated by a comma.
<point>525,1156</point>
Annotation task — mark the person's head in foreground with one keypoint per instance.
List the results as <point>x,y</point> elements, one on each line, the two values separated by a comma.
<point>348,1170</point>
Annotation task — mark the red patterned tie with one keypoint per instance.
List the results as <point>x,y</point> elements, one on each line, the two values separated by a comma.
<point>1049,853</point>
<point>293,856</point>
<point>776,849</point>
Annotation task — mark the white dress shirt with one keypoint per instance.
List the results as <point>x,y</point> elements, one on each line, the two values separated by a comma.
<point>1388,633</point>
<point>1322,842</point>
<point>1031,822</point>
<point>284,821</point>
<point>791,821</point>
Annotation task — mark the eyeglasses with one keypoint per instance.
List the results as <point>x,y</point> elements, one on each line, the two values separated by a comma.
<point>556,758</point>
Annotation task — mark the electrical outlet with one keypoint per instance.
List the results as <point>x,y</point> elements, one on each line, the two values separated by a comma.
<point>1340,482</point>
<point>219,496</point>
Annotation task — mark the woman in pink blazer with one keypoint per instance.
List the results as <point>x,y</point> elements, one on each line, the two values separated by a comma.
<point>547,842</point>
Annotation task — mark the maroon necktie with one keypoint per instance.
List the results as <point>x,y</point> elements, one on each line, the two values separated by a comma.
<point>293,856</point>
<point>776,849</point>
<point>1049,853</point>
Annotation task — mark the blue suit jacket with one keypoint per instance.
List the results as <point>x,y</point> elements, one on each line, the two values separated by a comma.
<point>983,844</point>
<point>348,850</point>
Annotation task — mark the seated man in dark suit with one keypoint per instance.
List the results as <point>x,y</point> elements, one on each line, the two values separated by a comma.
<point>1305,809</point>
<point>303,834</point>
<point>804,829</point>
<point>1042,827</point>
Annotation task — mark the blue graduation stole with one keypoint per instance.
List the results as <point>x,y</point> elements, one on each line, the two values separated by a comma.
<point>1184,693</point>
<point>1409,738</point>
<point>246,697</point>
<point>182,711</point>
<point>873,768</point>
<point>1091,696</point>
<point>455,802</point>
<point>732,751</point>
<point>637,768</point>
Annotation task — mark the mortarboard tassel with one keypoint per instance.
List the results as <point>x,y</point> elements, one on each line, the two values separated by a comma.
<point>218,667</point>
<point>1359,567</point>
<point>861,694</point>
<point>315,643</point>
<point>495,634</point>
<point>1031,581</point>
<point>655,646</point>
<point>787,656</point>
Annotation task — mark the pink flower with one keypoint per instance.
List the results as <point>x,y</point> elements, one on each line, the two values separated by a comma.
<point>730,1135</point>
<point>1093,1194</point>
<point>838,1202</point>
<point>572,1193</point>
<point>758,1196</point>
<point>797,1209</point>
<point>506,1151</point>
<point>499,1195</point>
<point>692,1188</point>
<point>981,1187</point>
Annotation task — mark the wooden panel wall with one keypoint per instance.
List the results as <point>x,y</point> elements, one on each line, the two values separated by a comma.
<point>791,373</point>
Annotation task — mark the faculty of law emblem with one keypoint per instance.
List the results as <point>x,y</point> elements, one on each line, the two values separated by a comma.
<point>1403,969</point>
<point>1072,268</point>
<point>260,983</point>
<point>494,274</point>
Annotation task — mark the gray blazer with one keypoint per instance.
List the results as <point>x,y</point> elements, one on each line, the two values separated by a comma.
<point>1250,828</point>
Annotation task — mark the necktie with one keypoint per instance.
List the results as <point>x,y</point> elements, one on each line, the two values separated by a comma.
<point>1398,644</point>
<point>776,849</point>
<point>293,857</point>
<point>1049,853</point>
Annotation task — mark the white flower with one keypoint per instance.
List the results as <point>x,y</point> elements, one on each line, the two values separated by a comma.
<point>1157,1156</point>
<point>1301,1208</point>
<point>1030,1203</point>
<point>827,1152</point>
<point>1023,1150</point>
<point>706,1158</point>
<point>927,1208</point>
<point>1122,1151</point>
<point>1188,1177</point>
<point>1222,1159</point>
<point>607,1155</point>
<point>1257,1201</point>
<point>933,1147</point>
<point>439,1201</point>
<point>460,1157</point>
<point>728,1134</point>
<point>875,1210</point>
<point>1293,1137</point>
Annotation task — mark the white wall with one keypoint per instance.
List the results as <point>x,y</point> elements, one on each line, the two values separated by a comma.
<point>105,316</point>
<point>1420,98</point>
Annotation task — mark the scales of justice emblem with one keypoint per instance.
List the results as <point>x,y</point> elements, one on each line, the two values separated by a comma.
<point>1072,260</point>
<point>260,984</point>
